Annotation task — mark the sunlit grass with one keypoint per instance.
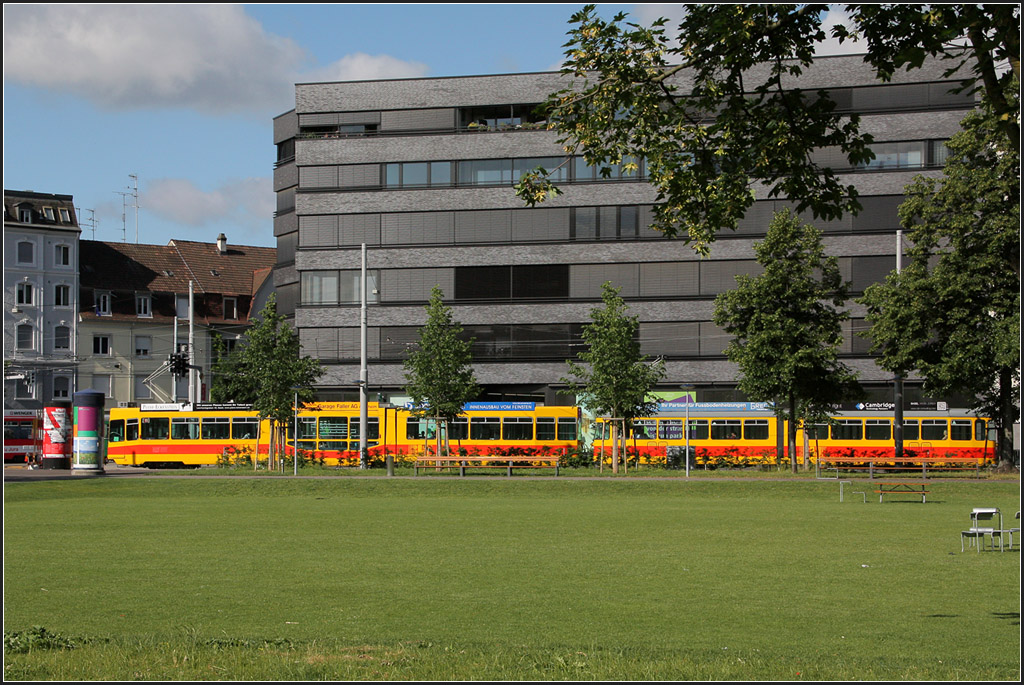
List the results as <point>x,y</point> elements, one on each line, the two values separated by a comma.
<point>498,578</point>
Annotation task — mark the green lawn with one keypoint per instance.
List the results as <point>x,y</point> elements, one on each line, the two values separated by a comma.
<point>497,578</point>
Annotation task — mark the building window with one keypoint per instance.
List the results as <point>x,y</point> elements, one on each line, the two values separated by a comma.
<point>143,306</point>
<point>101,345</point>
<point>65,215</point>
<point>48,213</point>
<point>62,338</point>
<point>417,174</point>
<point>25,336</point>
<point>62,296</point>
<point>102,303</point>
<point>142,391</point>
<point>62,253</point>
<point>181,307</point>
<point>61,387</point>
<point>101,383</point>
<point>24,294</point>
<point>25,388</point>
<point>231,308</point>
<point>143,345</point>
<point>26,252</point>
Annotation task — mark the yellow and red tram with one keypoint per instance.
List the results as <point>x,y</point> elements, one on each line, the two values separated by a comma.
<point>328,433</point>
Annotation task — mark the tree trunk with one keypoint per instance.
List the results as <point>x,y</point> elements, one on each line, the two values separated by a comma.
<point>615,447</point>
<point>792,432</point>
<point>1008,413</point>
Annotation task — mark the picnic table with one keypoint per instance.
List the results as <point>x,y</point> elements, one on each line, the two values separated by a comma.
<point>901,487</point>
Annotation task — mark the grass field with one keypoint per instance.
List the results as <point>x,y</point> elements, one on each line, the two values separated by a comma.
<point>501,579</point>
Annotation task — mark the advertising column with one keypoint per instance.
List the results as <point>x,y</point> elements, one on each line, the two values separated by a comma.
<point>88,432</point>
<point>56,452</point>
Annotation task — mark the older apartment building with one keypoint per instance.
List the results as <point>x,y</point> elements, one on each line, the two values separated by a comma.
<point>135,312</point>
<point>41,241</point>
<point>421,172</point>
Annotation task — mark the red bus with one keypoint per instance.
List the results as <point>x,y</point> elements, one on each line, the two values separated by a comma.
<point>21,436</point>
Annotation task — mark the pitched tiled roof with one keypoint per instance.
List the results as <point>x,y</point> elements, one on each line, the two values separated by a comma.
<point>169,268</point>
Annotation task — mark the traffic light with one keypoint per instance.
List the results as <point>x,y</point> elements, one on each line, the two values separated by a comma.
<point>179,364</point>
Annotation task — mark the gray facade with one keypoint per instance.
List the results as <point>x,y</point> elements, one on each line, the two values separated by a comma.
<point>421,171</point>
<point>41,278</point>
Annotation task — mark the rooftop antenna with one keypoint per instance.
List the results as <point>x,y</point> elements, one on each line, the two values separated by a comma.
<point>135,203</point>
<point>124,210</point>
<point>90,222</point>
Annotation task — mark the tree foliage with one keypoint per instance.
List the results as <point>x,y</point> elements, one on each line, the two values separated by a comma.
<point>612,377</point>
<point>268,368</point>
<point>438,371</point>
<point>954,312</point>
<point>708,109</point>
<point>787,327</point>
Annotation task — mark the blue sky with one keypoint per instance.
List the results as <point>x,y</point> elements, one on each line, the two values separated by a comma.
<point>183,96</point>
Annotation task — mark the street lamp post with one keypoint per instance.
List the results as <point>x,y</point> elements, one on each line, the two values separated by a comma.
<point>389,459</point>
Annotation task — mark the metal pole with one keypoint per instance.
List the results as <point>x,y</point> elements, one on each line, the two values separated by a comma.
<point>191,345</point>
<point>295,436</point>
<point>362,368</point>
<point>687,437</point>
<point>898,381</point>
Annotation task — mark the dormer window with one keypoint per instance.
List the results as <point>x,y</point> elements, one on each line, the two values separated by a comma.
<point>143,305</point>
<point>65,215</point>
<point>231,308</point>
<point>102,303</point>
<point>25,215</point>
<point>48,213</point>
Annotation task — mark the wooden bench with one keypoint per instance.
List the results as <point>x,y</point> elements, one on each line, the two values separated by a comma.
<point>901,487</point>
<point>907,463</point>
<point>487,461</point>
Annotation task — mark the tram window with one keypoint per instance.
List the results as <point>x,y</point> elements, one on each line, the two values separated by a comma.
<point>132,430</point>
<point>372,428</point>
<point>755,429</point>
<point>115,431</point>
<point>933,429</point>
<point>848,429</point>
<point>545,428</point>
<point>516,428</point>
<point>335,445</point>
<point>458,429</point>
<point>878,429</point>
<point>911,430</point>
<point>979,430</point>
<point>485,428</point>
<point>698,429</point>
<point>185,428</point>
<point>154,428</point>
<point>567,429</point>
<point>644,429</point>
<point>333,428</point>
<point>817,431</point>
<point>248,428</point>
<point>670,429</point>
<point>960,429</point>
<point>725,429</point>
<point>420,429</point>
<point>216,428</point>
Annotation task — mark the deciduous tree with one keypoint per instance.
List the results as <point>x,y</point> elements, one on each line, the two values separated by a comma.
<point>711,111</point>
<point>438,371</point>
<point>787,326</point>
<point>954,312</point>
<point>268,369</point>
<point>612,377</point>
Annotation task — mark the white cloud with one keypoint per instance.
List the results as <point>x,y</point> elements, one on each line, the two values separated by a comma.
<point>209,58</point>
<point>246,202</point>
<point>363,67</point>
<point>830,46</point>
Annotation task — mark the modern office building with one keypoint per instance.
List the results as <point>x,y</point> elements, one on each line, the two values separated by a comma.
<point>41,239</point>
<point>421,171</point>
